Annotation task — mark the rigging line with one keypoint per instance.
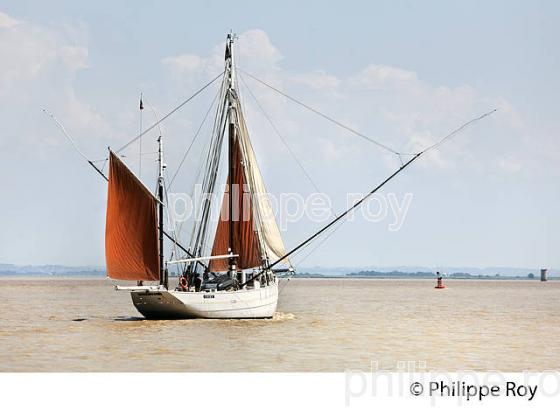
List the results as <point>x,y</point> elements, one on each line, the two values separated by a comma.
<point>151,127</point>
<point>281,289</point>
<point>321,242</point>
<point>180,225</point>
<point>180,246</point>
<point>195,137</point>
<point>174,233</point>
<point>282,139</point>
<point>50,114</point>
<point>158,122</point>
<point>194,238</point>
<point>210,179</point>
<point>300,252</point>
<point>346,127</point>
<point>99,171</point>
<point>104,164</point>
<point>59,124</point>
<point>140,142</point>
<point>458,130</point>
<point>197,226</point>
<point>144,153</point>
<point>200,229</point>
<point>338,218</point>
<point>416,156</point>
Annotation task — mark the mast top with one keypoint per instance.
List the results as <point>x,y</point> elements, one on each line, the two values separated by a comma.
<point>230,71</point>
<point>231,37</point>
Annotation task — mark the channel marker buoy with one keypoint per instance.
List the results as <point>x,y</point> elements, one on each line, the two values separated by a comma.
<point>440,284</point>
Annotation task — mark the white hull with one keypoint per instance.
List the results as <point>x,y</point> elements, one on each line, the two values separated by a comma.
<point>240,304</point>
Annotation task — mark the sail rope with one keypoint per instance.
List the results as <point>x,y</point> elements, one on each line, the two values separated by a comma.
<point>281,137</point>
<point>179,226</point>
<point>363,136</point>
<point>169,181</point>
<point>281,288</point>
<point>74,145</point>
<point>317,246</point>
<point>325,116</point>
<point>174,234</point>
<point>173,111</point>
<point>100,170</point>
<point>457,131</point>
<point>332,120</point>
<point>212,154</point>
<point>443,140</point>
<point>194,138</point>
<point>341,217</point>
<point>140,139</point>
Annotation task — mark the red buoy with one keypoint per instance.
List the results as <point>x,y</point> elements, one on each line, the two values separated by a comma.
<point>440,284</point>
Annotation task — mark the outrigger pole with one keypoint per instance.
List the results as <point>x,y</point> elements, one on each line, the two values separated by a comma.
<point>160,197</point>
<point>100,172</point>
<point>338,218</point>
<point>377,188</point>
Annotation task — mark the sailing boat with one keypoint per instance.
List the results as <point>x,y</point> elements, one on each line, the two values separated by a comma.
<point>235,277</point>
<point>247,237</point>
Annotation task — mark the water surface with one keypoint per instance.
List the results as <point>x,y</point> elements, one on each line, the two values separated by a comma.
<point>322,325</point>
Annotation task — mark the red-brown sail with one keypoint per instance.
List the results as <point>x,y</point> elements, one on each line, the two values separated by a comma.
<point>131,240</point>
<point>245,240</point>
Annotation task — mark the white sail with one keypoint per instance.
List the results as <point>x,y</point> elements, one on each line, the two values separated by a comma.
<point>267,228</point>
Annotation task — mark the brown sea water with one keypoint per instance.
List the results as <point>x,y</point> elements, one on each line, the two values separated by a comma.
<point>322,325</point>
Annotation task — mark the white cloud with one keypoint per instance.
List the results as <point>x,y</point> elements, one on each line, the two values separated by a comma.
<point>184,63</point>
<point>379,77</point>
<point>7,21</point>
<point>24,52</point>
<point>43,65</point>
<point>390,104</point>
<point>253,50</point>
<point>254,46</point>
<point>39,66</point>
<point>317,80</point>
<point>74,57</point>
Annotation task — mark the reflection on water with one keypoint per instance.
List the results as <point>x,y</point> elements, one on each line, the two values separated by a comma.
<point>322,325</point>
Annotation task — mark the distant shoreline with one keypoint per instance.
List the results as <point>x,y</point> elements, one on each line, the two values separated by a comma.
<point>43,276</point>
<point>396,272</point>
<point>502,278</point>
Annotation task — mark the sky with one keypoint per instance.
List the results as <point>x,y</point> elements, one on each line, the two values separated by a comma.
<point>403,73</point>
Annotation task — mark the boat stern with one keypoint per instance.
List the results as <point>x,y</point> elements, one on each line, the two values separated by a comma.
<point>159,305</point>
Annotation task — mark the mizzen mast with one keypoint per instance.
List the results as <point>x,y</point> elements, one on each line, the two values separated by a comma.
<point>161,168</point>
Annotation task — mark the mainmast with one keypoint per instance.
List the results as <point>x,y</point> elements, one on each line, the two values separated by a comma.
<point>232,268</point>
<point>161,168</point>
